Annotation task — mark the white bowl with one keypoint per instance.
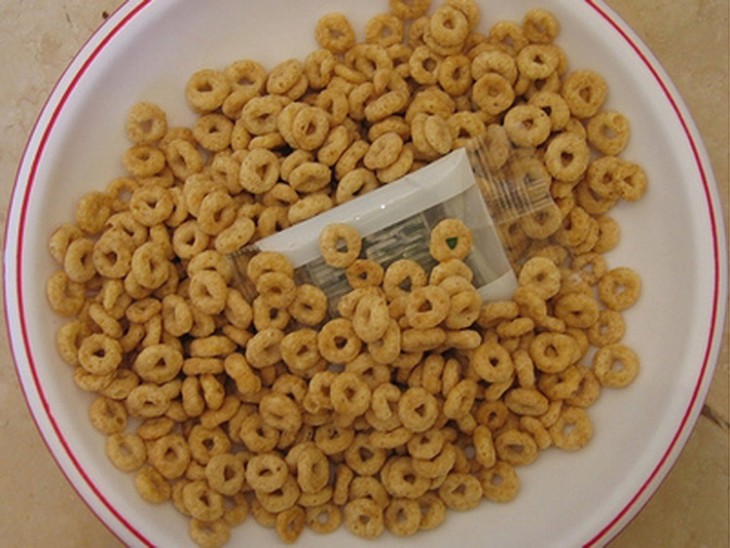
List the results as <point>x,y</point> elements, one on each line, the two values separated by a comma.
<point>673,238</point>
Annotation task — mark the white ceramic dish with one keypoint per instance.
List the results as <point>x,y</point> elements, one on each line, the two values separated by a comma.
<point>673,237</point>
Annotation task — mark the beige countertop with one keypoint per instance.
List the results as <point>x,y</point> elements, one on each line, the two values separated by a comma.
<point>37,40</point>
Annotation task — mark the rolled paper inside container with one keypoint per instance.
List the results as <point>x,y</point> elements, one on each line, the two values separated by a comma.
<point>395,222</point>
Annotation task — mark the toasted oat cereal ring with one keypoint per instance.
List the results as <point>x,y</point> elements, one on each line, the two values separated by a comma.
<point>427,307</point>
<point>407,9</point>
<point>433,511</point>
<point>339,244</point>
<point>290,524</point>
<point>619,288</point>
<point>299,350</point>
<point>310,177</point>
<point>277,289</point>
<point>335,33</point>
<point>561,385</point>
<point>384,151</point>
<point>65,296</point>
<point>355,183</point>
<point>526,401</point>
<point>577,310</point>
<point>422,340</point>
<point>152,486</point>
<point>284,76</point>
<point>608,132</point>
<point>263,349</point>
<point>169,455</point>
<point>424,65</point>
<point>259,115</point>
<point>403,517</point>
<point>450,239</point>
<point>100,354</point>
<point>351,159</point>
<point>93,211</point>
<point>585,92</point>
<point>417,409</point>
<point>493,312</point>
<point>107,415</point>
<point>426,445</point>
<point>337,141</point>
<point>282,499</point>
<point>364,273</point>
<point>492,362</point>
<point>500,483</point>
<point>364,518</point>
<point>460,399</point>
<point>210,533</point>
<point>391,439</point>
<point>310,127</point>
<point>208,292</point>
<point>78,262</point>
<point>127,451</point>
<point>363,458</point>
<point>615,365</point>
<point>150,266</point>
<point>202,502</point>
<point>388,348</point>
<point>318,67</point>
<point>399,168</point>
<point>266,472</point>
<point>484,451</point>
<point>461,492</point>
<point>384,29</point>
<point>588,391</point>
<point>337,341</point>
<point>151,205</point>
<point>309,306</point>
<point>537,61</point>
<point>371,318</point>
<point>247,77</point>
<point>143,160</point>
<point>540,26</point>
<point>527,125</point>
<point>69,338</point>
<point>542,276</point>
<point>207,89</point>
<point>554,106</point>
<point>61,238</point>
<point>401,478</point>
<point>259,171</point>
<point>464,309</point>
<point>217,212</point>
<point>493,94</point>
<point>332,438</point>
<point>608,329</point>
<point>567,157</point>
<point>603,177</point>
<point>213,131</point>
<point>257,435</point>
<point>553,352</point>
<point>211,346</point>
<point>573,429</point>
<point>268,261</point>
<point>158,363</point>
<point>146,123</point>
<point>437,134</point>
<point>350,395</point>
<point>325,518</point>
<point>281,412</point>
<point>147,401</point>
<point>313,470</point>
<point>633,183</point>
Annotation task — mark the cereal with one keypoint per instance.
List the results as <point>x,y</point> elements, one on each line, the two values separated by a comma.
<point>407,395</point>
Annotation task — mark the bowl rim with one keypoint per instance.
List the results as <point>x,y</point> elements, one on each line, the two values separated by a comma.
<point>16,329</point>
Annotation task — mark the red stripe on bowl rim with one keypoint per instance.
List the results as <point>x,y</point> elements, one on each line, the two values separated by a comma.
<point>609,530</point>
<point>103,42</point>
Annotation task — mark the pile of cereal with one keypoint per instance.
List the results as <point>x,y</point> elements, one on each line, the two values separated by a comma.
<point>417,397</point>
